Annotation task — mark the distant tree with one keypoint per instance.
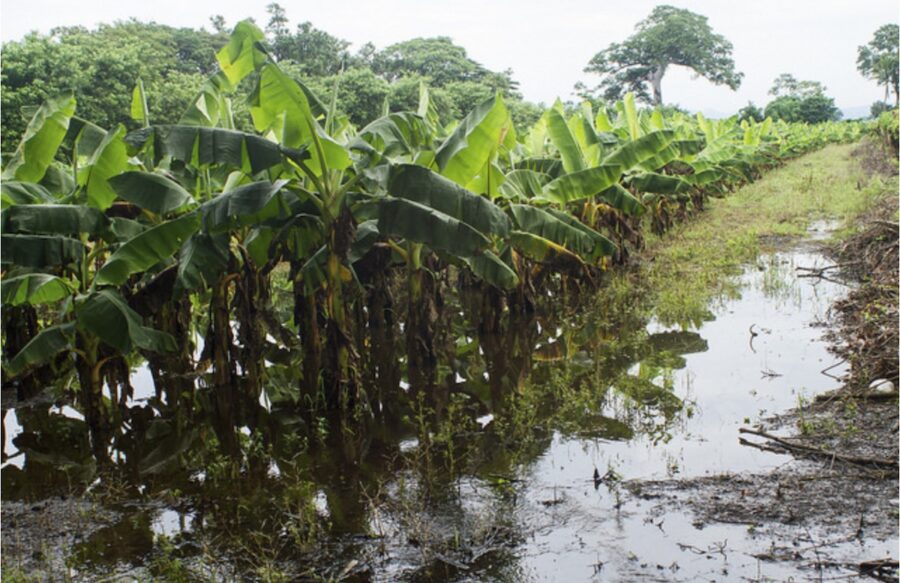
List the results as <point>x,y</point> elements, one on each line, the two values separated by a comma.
<point>787,84</point>
<point>361,93</point>
<point>801,101</point>
<point>880,60</point>
<point>438,59</point>
<point>218,23</point>
<point>669,36</point>
<point>101,67</point>
<point>878,108</point>
<point>751,112</point>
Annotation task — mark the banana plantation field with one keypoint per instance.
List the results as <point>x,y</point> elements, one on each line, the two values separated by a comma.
<point>391,352</point>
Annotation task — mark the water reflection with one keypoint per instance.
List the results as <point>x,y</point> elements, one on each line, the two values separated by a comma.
<point>492,473</point>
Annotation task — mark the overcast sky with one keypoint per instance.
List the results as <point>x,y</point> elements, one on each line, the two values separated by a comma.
<point>547,44</point>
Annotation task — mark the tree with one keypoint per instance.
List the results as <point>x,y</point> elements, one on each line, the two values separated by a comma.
<point>751,112</point>
<point>101,67</point>
<point>880,60</point>
<point>669,36</point>
<point>878,108</point>
<point>440,60</point>
<point>800,101</point>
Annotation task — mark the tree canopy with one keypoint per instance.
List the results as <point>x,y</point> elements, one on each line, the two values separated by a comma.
<point>102,66</point>
<point>880,60</point>
<point>669,36</point>
<point>802,101</point>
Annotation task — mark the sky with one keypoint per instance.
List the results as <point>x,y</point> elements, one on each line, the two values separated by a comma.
<point>548,44</point>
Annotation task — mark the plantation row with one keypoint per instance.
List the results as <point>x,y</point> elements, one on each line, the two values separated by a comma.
<point>118,246</point>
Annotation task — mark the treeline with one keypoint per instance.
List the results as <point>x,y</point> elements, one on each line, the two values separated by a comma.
<point>101,67</point>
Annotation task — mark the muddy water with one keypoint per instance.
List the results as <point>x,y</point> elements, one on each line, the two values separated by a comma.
<point>515,497</point>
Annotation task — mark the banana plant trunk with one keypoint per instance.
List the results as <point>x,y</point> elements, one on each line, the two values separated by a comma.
<point>340,371</point>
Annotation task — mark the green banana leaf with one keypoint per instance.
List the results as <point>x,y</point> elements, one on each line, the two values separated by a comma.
<point>34,289</point>
<point>603,247</point>
<point>14,192</point>
<point>44,134</point>
<point>561,137</point>
<point>432,190</point>
<point>493,270</point>
<point>620,199</point>
<point>523,185</point>
<point>416,222</point>
<point>139,110</point>
<point>200,146</point>
<point>659,183</point>
<point>106,315</point>
<point>281,107</point>
<point>241,55</point>
<point>543,250</point>
<point>397,134</point>
<point>147,249</point>
<point>582,241</point>
<point>42,348</point>
<point>473,143</point>
<point>582,184</point>
<point>58,219</point>
<point>245,205</point>
<point>645,148</point>
<point>40,251</point>
<point>202,259</point>
<point>150,191</point>
<point>109,159</point>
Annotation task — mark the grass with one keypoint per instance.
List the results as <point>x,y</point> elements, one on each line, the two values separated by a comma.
<point>699,260</point>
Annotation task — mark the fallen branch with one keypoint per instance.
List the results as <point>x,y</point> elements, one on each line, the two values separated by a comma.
<point>815,451</point>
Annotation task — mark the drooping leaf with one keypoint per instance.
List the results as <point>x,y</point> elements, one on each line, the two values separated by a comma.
<point>40,251</point>
<point>43,348</point>
<point>602,246</point>
<point>366,236</point>
<point>14,192</point>
<point>582,241</point>
<point>430,189</point>
<point>543,250</point>
<point>245,205</point>
<point>202,147</point>
<point>416,222</point>
<point>493,270</point>
<point>150,191</point>
<point>34,289</point>
<point>523,185</point>
<point>632,154</point>
<point>147,249</point>
<point>620,199</point>
<point>582,184</point>
<point>44,134</point>
<point>659,183</point>
<point>201,261</point>
<point>106,315</point>
<point>59,219</point>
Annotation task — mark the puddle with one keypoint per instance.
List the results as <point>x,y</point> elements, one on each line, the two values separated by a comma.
<point>511,495</point>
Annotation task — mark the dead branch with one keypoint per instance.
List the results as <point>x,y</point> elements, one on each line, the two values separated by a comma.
<point>815,451</point>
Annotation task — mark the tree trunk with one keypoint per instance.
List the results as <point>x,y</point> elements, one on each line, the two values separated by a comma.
<point>656,81</point>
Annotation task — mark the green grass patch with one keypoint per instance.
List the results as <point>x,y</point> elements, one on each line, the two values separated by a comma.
<point>699,261</point>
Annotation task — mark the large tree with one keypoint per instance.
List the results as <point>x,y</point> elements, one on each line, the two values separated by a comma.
<point>801,101</point>
<point>669,36</point>
<point>880,60</point>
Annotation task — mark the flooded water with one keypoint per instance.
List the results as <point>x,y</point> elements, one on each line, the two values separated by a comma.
<point>532,489</point>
